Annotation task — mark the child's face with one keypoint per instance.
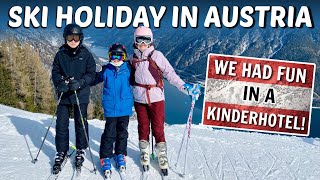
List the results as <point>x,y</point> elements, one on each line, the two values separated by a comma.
<point>73,44</point>
<point>142,46</point>
<point>115,61</point>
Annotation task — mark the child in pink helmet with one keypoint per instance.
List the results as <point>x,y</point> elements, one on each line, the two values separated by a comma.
<point>149,67</point>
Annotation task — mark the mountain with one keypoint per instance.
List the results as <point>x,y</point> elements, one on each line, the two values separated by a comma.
<point>212,154</point>
<point>187,48</point>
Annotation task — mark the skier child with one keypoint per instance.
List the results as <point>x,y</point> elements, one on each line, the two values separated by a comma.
<point>117,103</point>
<point>73,70</point>
<point>149,66</point>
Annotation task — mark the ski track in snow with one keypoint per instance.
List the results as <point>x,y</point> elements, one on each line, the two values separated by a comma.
<point>213,154</point>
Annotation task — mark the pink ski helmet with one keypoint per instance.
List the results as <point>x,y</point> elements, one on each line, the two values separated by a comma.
<point>143,31</point>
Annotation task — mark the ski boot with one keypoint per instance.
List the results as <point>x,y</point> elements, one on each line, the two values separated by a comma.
<point>59,162</point>
<point>161,150</point>
<point>79,159</point>
<point>106,167</point>
<point>120,160</point>
<point>144,154</point>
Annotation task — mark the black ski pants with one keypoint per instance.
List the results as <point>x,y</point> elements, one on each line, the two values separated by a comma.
<point>115,131</point>
<point>62,126</point>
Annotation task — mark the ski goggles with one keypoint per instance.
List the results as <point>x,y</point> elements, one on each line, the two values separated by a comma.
<point>143,39</point>
<point>72,37</point>
<point>117,56</point>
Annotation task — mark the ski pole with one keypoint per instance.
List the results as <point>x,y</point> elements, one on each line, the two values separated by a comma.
<point>85,132</point>
<point>195,95</point>
<point>189,132</point>
<point>188,127</point>
<point>45,136</point>
<point>182,141</point>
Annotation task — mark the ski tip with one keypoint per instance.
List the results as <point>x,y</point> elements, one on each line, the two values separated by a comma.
<point>122,169</point>
<point>164,172</point>
<point>145,168</point>
<point>107,174</point>
<point>74,147</point>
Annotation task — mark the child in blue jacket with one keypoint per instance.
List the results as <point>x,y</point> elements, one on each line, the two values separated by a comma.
<point>117,101</point>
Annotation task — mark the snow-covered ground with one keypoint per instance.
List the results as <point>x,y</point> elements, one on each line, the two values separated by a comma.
<point>213,154</point>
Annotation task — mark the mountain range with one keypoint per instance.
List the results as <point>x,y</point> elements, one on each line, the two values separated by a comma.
<point>187,48</point>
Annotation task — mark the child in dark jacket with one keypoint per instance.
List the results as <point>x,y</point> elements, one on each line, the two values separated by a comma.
<point>117,101</point>
<point>73,70</point>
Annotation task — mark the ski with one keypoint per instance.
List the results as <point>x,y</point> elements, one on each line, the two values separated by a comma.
<point>78,171</point>
<point>145,168</point>
<point>107,174</point>
<point>145,172</point>
<point>164,174</point>
<point>123,175</point>
<point>57,171</point>
<point>120,164</point>
<point>145,175</point>
<point>122,172</point>
<point>79,161</point>
<point>106,167</point>
<point>163,164</point>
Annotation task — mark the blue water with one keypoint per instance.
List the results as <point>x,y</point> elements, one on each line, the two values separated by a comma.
<point>178,106</point>
<point>315,123</point>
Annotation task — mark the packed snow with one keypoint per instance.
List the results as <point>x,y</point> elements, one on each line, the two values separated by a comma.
<point>213,153</point>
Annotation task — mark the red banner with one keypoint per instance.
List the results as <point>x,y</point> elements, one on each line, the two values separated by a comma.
<point>255,94</point>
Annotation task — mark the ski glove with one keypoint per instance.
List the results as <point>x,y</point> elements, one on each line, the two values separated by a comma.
<point>63,87</point>
<point>188,87</point>
<point>75,84</point>
<point>192,90</point>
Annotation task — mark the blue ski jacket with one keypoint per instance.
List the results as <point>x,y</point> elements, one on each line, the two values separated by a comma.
<point>117,98</point>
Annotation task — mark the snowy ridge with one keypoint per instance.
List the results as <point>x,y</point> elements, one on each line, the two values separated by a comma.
<point>213,154</point>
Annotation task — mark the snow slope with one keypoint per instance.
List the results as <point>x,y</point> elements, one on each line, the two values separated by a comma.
<point>213,154</point>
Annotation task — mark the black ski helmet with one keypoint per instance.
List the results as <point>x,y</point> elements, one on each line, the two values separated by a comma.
<point>117,48</point>
<point>73,29</point>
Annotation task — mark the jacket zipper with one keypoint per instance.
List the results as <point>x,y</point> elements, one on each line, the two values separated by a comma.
<point>114,92</point>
